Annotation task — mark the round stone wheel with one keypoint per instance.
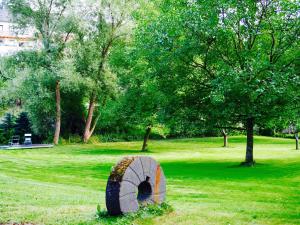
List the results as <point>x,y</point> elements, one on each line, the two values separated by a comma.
<point>134,181</point>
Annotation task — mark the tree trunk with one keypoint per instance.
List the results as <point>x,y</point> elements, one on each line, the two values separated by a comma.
<point>297,141</point>
<point>58,114</point>
<point>146,138</point>
<point>249,150</point>
<point>225,136</point>
<point>87,130</point>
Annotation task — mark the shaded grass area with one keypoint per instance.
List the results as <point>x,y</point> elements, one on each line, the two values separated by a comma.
<point>205,185</point>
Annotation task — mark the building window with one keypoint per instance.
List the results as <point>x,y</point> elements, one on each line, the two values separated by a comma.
<point>1,28</point>
<point>12,29</point>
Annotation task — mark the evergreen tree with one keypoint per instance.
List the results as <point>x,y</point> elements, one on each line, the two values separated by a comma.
<point>22,125</point>
<point>7,127</point>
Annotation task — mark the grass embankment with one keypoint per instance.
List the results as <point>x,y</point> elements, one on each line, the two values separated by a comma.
<point>205,185</point>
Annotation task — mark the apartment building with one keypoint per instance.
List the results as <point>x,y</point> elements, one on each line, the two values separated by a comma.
<point>13,39</point>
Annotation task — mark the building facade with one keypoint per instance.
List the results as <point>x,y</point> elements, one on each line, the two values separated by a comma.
<point>12,39</point>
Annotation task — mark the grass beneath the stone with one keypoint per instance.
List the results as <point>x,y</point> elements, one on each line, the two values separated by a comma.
<point>205,185</point>
<point>145,212</point>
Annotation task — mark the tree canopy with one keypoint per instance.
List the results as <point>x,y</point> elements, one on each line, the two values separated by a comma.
<point>237,60</point>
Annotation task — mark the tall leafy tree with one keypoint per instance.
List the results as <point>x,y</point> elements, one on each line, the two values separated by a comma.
<point>235,60</point>
<point>101,25</point>
<point>48,19</point>
<point>141,103</point>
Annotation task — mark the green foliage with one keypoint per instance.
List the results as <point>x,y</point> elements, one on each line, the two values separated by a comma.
<point>32,84</point>
<point>140,103</point>
<point>89,62</point>
<point>221,63</point>
<point>7,127</point>
<point>99,28</point>
<point>100,25</point>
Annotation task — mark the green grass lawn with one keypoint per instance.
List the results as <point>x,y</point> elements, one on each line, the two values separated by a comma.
<point>205,185</point>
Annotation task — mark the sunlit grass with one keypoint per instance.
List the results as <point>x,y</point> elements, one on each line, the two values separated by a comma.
<point>205,185</point>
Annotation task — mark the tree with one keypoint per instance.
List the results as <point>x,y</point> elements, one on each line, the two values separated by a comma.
<point>31,85</point>
<point>236,59</point>
<point>294,126</point>
<point>296,135</point>
<point>297,140</point>
<point>49,21</point>
<point>22,125</point>
<point>101,26</point>
<point>225,137</point>
<point>7,126</point>
<point>142,104</point>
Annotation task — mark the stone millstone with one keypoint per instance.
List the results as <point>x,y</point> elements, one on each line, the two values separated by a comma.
<point>134,181</point>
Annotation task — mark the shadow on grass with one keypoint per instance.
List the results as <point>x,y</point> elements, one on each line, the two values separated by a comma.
<point>227,170</point>
<point>107,152</point>
<point>242,166</point>
<point>260,140</point>
<point>188,171</point>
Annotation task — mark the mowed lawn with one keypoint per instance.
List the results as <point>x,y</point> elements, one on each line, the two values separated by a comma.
<point>205,185</point>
